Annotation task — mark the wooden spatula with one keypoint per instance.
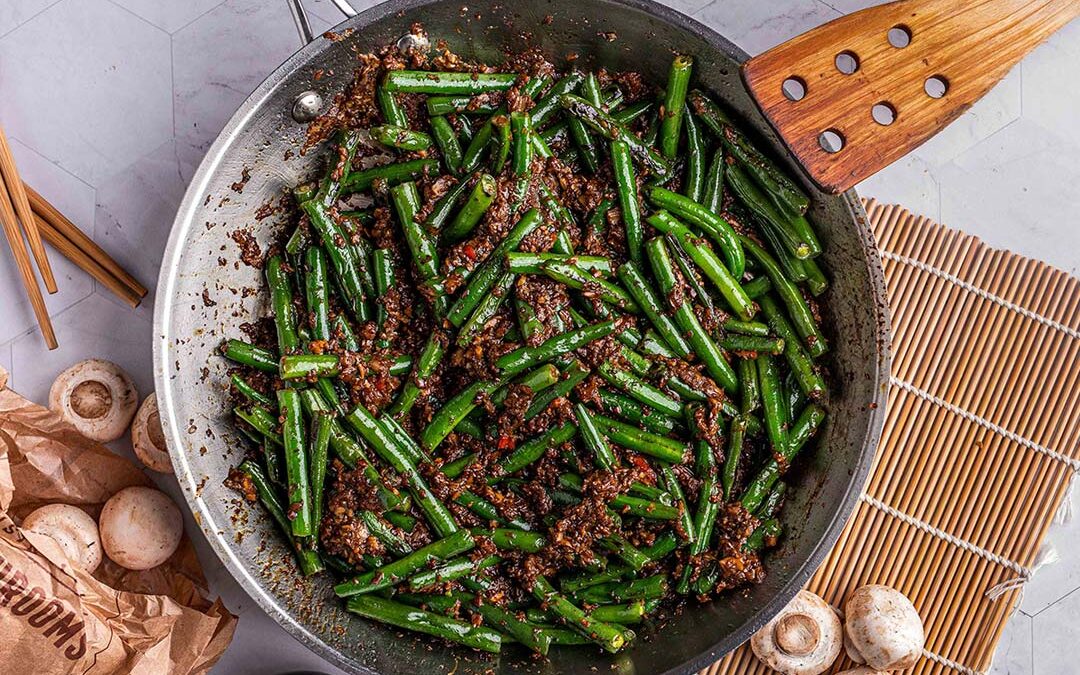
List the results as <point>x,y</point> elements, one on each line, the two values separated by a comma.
<point>856,94</point>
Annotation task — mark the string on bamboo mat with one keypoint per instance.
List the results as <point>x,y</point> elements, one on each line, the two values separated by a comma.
<point>975,290</point>
<point>1046,556</point>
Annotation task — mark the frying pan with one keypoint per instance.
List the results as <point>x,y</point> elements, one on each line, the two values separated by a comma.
<point>262,140</point>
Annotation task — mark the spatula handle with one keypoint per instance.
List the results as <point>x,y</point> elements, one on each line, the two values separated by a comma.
<point>956,51</point>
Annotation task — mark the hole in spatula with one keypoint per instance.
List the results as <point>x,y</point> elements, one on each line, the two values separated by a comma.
<point>847,62</point>
<point>831,141</point>
<point>883,113</point>
<point>936,86</point>
<point>794,89</point>
<point>899,36</point>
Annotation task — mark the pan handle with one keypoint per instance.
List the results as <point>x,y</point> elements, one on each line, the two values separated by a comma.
<point>300,18</point>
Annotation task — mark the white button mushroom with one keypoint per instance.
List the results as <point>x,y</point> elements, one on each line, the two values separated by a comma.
<point>72,529</point>
<point>882,628</point>
<point>803,639</point>
<point>148,439</point>
<point>97,397</point>
<point>140,528</point>
<point>862,670</point>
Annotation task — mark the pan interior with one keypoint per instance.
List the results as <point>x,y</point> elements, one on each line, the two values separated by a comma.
<point>191,376</point>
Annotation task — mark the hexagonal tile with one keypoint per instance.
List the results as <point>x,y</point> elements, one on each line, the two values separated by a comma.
<point>1000,107</point>
<point>1049,72</point>
<point>909,181</point>
<point>258,634</point>
<point>14,13</point>
<point>219,58</point>
<point>93,328</point>
<point>1054,638</point>
<point>5,357</point>
<point>849,6</point>
<point>135,211</point>
<point>686,6</point>
<point>169,16</point>
<point>1014,652</point>
<point>326,11</point>
<point>1017,189</point>
<point>756,26</point>
<point>75,199</point>
<point>93,106</point>
<point>72,196</point>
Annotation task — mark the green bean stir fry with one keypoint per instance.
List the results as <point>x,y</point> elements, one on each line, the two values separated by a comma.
<point>544,346</point>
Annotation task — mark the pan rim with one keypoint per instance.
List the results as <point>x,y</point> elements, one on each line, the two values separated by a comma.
<point>165,303</point>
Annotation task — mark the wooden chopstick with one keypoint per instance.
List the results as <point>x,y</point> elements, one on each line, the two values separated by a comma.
<point>22,260</point>
<point>72,233</point>
<point>85,262</point>
<point>17,195</point>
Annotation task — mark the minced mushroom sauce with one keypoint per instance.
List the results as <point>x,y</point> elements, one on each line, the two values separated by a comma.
<point>572,532</point>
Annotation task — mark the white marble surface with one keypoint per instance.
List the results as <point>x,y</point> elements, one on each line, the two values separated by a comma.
<point>111,103</point>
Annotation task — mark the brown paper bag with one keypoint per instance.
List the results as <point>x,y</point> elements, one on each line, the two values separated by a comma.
<point>57,619</point>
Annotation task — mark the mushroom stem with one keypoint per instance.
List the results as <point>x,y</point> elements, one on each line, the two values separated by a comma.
<point>797,634</point>
<point>97,397</point>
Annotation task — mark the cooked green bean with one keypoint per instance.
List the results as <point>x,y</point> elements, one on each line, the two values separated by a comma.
<point>718,229</point>
<point>376,435</point>
<point>486,274</point>
<point>712,197</point>
<point>447,140</point>
<point>632,411</point>
<point>307,559</point>
<point>752,344</point>
<point>711,356</point>
<point>400,137</point>
<point>736,437</point>
<point>794,231</point>
<point>548,105</point>
<point>281,298</point>
<point>703,256</point>
<point>765,171</point>
<point>526,357</point>
<point>805,427</point>
<point>410,618</point>
<point>695,159</point>
<point>800,313</point>
<point>639,389</point>
<point>446,105</point>
<point>453,83</point>
<point>342,258</point>
<point>294,442</point>
<point>604,634</point>
<point>661,447</point>
<point>605,457</point>
<point>520,129</point>
<point>392,111</point>
<point>316,292</point>
<point>391,174</point>
<point>675,104</point>
<point>249,355</point>
<point>483,193</point>
<point>638,286</point>
<point>453,412</point>
<point>297,366</point>
<point>629,202</point>
<point>591,286</point>
<point>614,130</point>
<point>532,263</point>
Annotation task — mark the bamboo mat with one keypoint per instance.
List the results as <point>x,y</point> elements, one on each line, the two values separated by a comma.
<point>981,439</point>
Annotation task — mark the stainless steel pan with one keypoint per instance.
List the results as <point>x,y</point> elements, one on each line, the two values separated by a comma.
<point>264,138</point>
